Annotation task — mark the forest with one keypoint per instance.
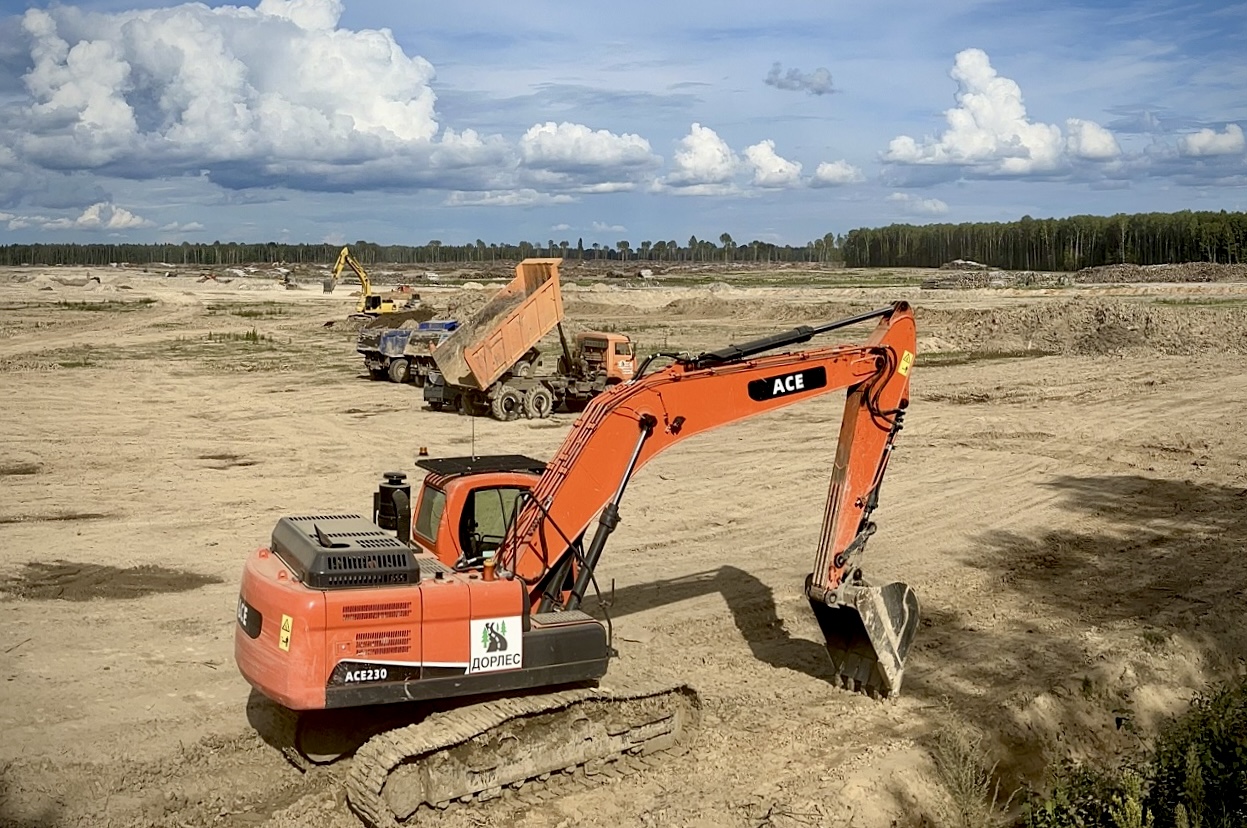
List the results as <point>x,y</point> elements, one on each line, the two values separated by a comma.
<point>1053,244</point>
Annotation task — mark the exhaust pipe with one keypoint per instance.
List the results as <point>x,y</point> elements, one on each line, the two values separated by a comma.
<point>868,631</point>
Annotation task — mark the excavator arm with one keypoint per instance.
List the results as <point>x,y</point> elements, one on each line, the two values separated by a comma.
<point>345,259</point>
<point>628,426</point>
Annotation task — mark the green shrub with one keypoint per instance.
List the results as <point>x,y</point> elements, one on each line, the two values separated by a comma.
<point>1200,762</point>
<point>1087,797</point>
<point>1195,776</point>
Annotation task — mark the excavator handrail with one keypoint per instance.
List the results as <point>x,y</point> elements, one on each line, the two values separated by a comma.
<point>610,440</point>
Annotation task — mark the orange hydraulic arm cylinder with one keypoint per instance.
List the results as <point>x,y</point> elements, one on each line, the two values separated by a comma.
<point>625,427</point>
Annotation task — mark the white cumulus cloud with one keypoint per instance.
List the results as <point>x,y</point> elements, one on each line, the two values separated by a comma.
<point>1211,142</point>
<point>769,169</point>
<point>603,227</point>
<point>306,14</point>
<point>102,216</point>
<point>573,157</point>
<point>575,147</point>
<point>703,165</point>
<point>1090,141</point>
<point>836,173</point>
<point>919,206</point>
<point>188,227</point>
<point>276,94</point>
<point>990,133</point>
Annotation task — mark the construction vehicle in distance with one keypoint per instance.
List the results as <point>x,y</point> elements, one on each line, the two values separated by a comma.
<point>402,354</point>
<point>490,363</point>
<point>370,304</point>
<point>469,598</point>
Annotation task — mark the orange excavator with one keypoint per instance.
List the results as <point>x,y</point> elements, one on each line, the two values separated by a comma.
<point>469,598</point>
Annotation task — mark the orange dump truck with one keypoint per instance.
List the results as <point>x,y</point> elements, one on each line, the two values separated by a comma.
<point>491,363</point>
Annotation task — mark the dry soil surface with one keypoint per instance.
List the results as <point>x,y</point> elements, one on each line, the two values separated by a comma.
<point>1067,498</point>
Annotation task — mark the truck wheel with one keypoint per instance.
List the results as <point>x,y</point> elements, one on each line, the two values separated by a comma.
<point>398,370</point>
<point>418,378</point>
<point>538,403</point>
<point>507,405</point>
<point>377,373</point>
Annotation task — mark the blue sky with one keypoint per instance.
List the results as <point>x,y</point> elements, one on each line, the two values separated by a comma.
<point>337,120</point>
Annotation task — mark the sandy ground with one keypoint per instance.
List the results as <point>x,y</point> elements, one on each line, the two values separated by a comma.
<point>1066,498</point>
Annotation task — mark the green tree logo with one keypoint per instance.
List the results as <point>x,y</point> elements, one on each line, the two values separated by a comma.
<point>493,637</point>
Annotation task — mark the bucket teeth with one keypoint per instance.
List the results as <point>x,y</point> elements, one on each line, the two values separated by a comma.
<point>868,635</point>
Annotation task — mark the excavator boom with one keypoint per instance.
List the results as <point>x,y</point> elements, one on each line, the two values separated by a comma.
<point>588,475</point>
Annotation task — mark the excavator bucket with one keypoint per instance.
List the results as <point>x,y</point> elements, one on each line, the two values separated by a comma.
<point>868,635</point>
<point>329,285</point>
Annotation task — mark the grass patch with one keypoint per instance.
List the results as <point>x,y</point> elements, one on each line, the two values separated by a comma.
<point>252,336</point>
<point>262,310</point>
<point>82,359</point>
<point>107,305</point>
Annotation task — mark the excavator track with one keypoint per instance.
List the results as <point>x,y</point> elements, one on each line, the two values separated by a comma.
<point>478,752</point>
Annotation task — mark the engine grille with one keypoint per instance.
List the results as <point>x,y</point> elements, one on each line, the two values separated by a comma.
<point>376,612</point>
<point>388,642</point>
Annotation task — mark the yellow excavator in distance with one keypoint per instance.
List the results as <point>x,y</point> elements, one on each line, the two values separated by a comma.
<point>370,304</point>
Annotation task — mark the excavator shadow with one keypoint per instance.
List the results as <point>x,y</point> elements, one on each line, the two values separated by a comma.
<point>753,608</point>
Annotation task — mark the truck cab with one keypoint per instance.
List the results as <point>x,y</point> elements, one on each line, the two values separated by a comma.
<point>608,353</point>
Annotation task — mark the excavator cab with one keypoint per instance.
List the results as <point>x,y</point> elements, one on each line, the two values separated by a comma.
<point>488,511</point>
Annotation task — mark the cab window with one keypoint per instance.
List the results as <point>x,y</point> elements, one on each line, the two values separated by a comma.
<point>485,519</point>
<point>429,515</point>
<point>623,349</point>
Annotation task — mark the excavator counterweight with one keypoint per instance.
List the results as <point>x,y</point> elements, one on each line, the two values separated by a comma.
<point>468,594</point>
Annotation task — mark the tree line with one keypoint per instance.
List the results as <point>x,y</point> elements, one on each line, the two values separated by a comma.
<point>1028,244</point>
<point>826,249</point>
<point>1056,244</point>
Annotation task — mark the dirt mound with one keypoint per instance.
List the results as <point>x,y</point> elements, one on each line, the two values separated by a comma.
<point>970,278</point>
<point>403,319</point>
<point>1185,272</point>
<point>712,307</point>
<point>466,303</point>
<point>578,307</point>
<point>1091,328</point>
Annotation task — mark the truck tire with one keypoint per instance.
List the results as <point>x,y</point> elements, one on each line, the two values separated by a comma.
<point>507,405</point>
<point>538,403</point>
<point>398,370</point>
<point>377,374</point>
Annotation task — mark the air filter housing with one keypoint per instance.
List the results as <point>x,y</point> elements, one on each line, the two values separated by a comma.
<point>343,552</point>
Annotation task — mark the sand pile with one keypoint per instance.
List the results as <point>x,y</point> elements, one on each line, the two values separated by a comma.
<point>1089,328</point>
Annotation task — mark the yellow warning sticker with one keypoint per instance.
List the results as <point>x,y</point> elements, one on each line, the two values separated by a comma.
<point>283,639</point>
<point>907,359</point>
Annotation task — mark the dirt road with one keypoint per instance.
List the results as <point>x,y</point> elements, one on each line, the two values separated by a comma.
<point>1071,522</point>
